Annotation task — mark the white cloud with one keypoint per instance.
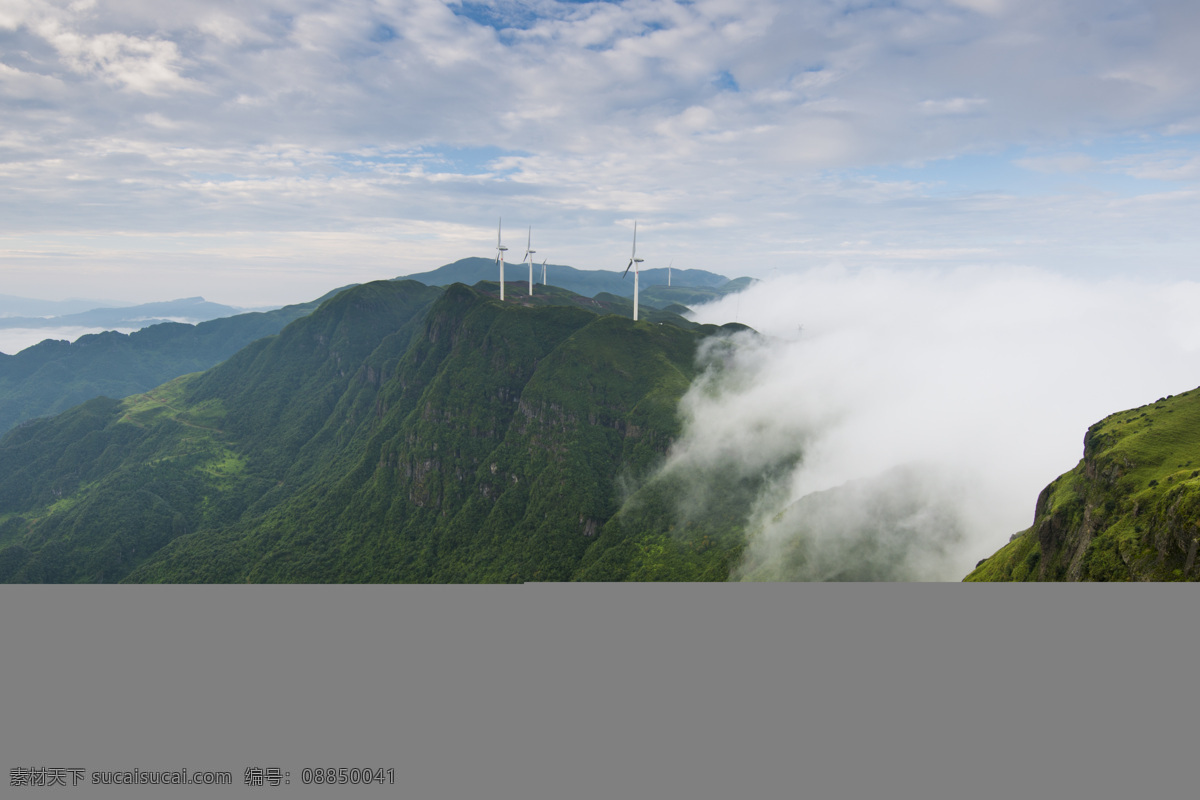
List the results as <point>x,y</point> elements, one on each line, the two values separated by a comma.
<point>235,117</point>
<point>1067,162</point>
<point>953,106</point>
<point>15,13</point>
<point>989,7</point>
<point>987,376</point>
<point>230,30</point>
<point>1164,166</point>
<point>147,65</point>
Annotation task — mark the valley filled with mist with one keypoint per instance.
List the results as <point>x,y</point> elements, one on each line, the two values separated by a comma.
<point>942,401</point>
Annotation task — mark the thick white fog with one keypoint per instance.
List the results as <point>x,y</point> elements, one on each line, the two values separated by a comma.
<point>982,382</point>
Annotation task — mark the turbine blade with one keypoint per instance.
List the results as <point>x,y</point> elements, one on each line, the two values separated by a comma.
<point>627,266</point>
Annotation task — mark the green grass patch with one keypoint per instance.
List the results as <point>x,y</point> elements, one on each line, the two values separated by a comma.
<point>1137,492</point>
<point>1019,560</point>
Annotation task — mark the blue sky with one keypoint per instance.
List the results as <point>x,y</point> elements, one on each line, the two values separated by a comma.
<point>266,152</point>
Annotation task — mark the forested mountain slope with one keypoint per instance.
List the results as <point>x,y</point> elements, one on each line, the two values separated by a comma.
<point>398,433</point>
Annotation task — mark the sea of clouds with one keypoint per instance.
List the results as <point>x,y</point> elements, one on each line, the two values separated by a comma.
<point>942,400</point>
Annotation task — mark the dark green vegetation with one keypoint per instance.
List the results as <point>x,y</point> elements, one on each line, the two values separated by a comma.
<point>695,284</point>
<point>55,375</point>
<point>1129,511</point>
<point>399,433</point>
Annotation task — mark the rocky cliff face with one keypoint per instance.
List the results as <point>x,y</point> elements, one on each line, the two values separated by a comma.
<point>1129,511</point>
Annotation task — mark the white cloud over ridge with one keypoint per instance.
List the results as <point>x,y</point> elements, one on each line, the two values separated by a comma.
<point>982,380</point>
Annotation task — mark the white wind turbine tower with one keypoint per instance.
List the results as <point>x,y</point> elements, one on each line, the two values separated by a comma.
<point>543,272</point>
<point>529,255</point>
<point>500,259</point>
<point>669,272</point>
<point>633,262</point>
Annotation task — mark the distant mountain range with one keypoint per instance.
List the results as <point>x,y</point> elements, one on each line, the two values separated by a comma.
<point>589,282</point>
<point>14,306</point>
<point>188,309</point>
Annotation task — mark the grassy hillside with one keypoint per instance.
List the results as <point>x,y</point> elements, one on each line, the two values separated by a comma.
<point>398,433</point>
<point>1129,511</point>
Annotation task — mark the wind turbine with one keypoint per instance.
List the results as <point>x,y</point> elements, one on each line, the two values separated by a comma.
<point>543,272</point>
<point>529,255</point>
<point>500,258</point>
<point>669,272</point>
<point>633,262</point>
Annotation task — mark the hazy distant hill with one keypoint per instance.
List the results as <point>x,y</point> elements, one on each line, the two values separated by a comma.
<point>677,293</point>
<point>587,282</point>
<point>1129,511</point>
<point>398,433</point>
<point>191,309</point>
<point>54,375</point>
<point>13,306</point>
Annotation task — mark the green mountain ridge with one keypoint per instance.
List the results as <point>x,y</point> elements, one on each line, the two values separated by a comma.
<point>1128,511</point>
<point>53,376</point>
<point>399,433</point>
<point>696,284</point>
<point>196,309</point>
